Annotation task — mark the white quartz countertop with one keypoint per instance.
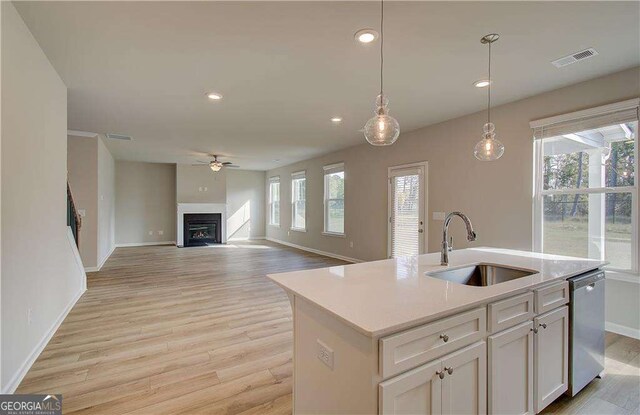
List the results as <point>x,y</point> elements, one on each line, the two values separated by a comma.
<point>382,297</point>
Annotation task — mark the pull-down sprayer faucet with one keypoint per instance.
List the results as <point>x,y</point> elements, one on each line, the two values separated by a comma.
<point>471,235</point>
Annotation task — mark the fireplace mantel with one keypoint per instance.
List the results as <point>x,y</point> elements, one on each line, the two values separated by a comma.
<point>183,208</point>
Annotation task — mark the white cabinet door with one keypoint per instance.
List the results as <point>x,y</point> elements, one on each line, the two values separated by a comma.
<point>511,371</point>
<point>464,387</point>
<point>551,356</point>
<point>418,391</point>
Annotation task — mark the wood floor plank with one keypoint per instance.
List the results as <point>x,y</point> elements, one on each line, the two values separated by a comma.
<point>163,330</point>
<point>169,330</point>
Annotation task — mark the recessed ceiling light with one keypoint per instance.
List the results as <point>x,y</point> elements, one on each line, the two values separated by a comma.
<point>481,83</point>
<point>366,35</point>
<point>276,159</point>
<point>336,119</point>
<point>214,96</point>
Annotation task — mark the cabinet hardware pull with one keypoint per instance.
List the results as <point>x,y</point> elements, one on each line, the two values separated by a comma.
<point>444,337</point>
<point>543,325</point>
<point>449,370</point>
<point>535,330</point>
<point>440,374</point>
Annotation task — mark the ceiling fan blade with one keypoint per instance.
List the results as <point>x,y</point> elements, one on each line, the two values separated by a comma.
<point>203,162</point>
<point>226,163</point>
<point>233,166</point>
<point>200,165</point>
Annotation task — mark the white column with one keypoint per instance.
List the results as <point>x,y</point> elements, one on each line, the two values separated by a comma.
<point>596,204</point>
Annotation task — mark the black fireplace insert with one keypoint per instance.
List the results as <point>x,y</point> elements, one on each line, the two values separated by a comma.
<point>202,229</point>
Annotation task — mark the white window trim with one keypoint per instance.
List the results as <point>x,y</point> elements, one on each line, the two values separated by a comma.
<point>330,169</point>
<point>296,176</point>
<point>539,193</point>
<point>274,179</point>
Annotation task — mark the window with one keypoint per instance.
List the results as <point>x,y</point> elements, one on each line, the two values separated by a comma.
<point>586,191</point>
<point>298,201</point>
<point>274,201</point>
<point>334,199</point>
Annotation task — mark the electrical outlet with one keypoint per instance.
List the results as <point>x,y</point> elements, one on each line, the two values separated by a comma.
<point>200,188</point>
<point>288,233</point>
<point>82,213</point>
<point>160,232</point>
<point>150,232</point>
<point>325,354</point>
<point>206,189</point>
<point>29,316</point>
<point>350,244</point>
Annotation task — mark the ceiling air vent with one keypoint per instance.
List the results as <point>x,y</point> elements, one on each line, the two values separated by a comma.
<point>119,137</point>
<point>575,57</point>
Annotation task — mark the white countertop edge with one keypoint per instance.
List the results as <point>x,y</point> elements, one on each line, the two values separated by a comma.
<point>463,306</point>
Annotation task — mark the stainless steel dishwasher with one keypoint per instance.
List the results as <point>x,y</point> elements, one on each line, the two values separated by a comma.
<point>586,329</point>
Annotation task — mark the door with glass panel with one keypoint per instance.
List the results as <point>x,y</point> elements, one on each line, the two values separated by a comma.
<point>407,201</point>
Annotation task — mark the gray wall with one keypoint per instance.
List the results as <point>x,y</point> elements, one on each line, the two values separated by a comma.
<point>198,184</point>
<point>145,202</point>
<point>82,162</point>
<point>496,196</point>
<point>40,271</point>
<point>106,202</point>
<point>245,204</point>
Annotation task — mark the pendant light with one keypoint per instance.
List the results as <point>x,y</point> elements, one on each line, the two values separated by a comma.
<point>383,129</point>
<point>489,148</point>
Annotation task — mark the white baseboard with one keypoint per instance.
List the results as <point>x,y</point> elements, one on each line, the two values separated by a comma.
<point>315,251</point>
<point>17,378</point>
<point>101,263</point>
<point>145,244</point>
<point>623,330</point>
<point>247,238</point>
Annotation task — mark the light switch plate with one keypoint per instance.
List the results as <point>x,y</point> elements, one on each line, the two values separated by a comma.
<point>82,213</point>
<point>439,215</point>
<point>325,354</point>
<point>160,232</point>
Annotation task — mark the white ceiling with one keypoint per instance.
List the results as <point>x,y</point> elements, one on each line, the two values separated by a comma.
<point>285,68</point>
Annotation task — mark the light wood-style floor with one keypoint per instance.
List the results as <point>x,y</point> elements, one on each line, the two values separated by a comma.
<point>163,330</point>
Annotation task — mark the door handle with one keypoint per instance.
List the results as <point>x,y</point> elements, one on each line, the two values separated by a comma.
<point>591,286</point>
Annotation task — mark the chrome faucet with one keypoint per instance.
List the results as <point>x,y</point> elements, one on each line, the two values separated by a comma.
<point>446,246</point>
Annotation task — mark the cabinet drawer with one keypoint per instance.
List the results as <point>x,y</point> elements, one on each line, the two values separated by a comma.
<point>510,312</point>
<point>551,296</point>
<point>411,348</point>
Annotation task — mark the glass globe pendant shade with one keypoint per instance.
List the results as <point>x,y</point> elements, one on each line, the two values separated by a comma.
<point>382,130</point>
<point>215,165</point>
<point>489,148</point>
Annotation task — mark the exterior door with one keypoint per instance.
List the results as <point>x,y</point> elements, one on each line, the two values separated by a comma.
<point>551,356</point>
<point>464,387</point>
<point>419,391</point>
<point>511,370</point>
<point>407,202</point>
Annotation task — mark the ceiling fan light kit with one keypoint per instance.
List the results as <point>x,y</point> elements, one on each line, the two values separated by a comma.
<point>215,164</point>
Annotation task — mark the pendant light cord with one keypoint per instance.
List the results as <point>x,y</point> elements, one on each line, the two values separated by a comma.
<point>381,51</point>
<point>489,90</point>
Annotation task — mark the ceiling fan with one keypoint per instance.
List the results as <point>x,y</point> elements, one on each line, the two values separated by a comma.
<point>214,164</point>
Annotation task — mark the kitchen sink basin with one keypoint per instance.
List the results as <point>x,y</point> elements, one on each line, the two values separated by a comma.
<point>481,275</point>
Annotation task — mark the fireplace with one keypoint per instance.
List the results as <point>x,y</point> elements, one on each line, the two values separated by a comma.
<point>202,229</point>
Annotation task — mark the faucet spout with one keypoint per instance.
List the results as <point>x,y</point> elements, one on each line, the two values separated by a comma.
<point>471,235</point>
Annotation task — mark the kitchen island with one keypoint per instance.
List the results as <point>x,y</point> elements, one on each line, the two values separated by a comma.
<point>384,337</point>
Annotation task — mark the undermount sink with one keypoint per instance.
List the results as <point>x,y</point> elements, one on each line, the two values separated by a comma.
<point>481,275</point>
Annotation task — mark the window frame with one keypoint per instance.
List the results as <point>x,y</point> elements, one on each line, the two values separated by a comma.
<point>299,175</point>
<point>274,180</point>
<point>329,170</point>
<point>539,192</point>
